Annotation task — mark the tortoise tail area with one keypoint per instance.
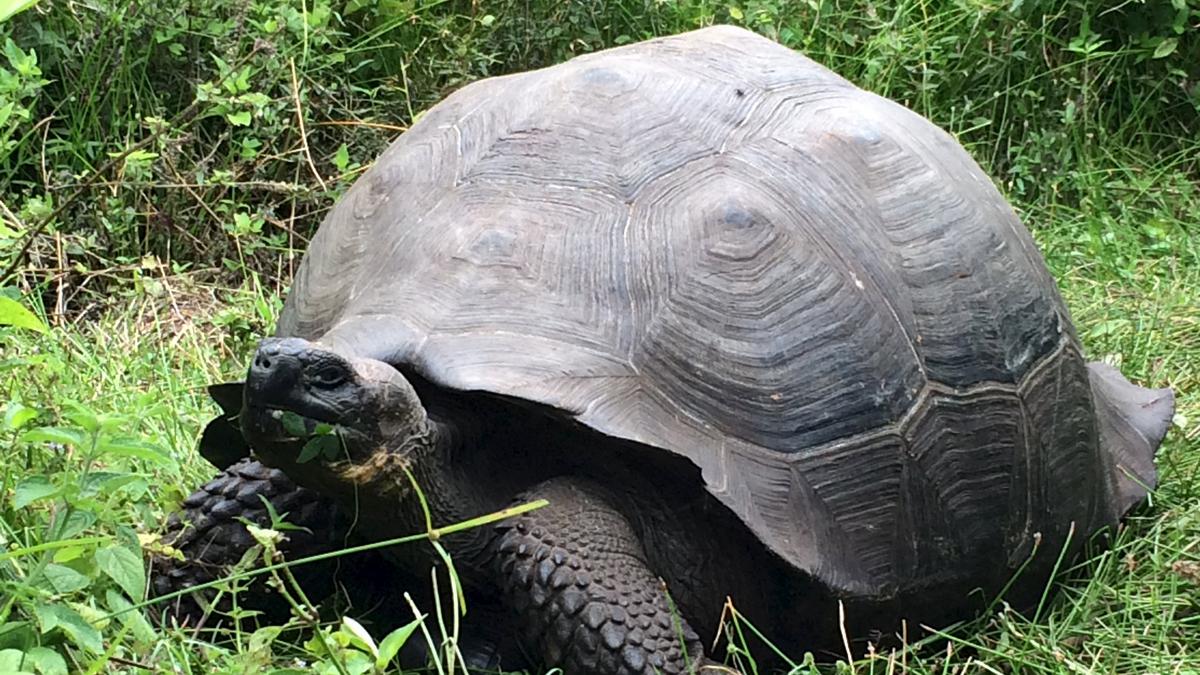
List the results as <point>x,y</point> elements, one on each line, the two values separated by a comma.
<point>1132,421</point>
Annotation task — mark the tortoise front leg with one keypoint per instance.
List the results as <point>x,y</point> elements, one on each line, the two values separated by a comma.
<point>576,575</point>
<point>209,533</point>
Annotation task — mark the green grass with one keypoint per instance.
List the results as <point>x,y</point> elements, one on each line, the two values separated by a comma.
<point>155,190</point>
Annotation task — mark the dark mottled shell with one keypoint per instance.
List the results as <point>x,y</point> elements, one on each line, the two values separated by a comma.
<point>712,245</point>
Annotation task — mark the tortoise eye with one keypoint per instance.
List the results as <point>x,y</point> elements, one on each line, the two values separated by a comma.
<point>328,377</point>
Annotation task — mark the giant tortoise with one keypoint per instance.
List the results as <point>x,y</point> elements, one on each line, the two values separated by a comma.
<point>752,332</point>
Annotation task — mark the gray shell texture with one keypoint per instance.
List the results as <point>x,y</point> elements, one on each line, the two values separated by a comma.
<point>713,246</point>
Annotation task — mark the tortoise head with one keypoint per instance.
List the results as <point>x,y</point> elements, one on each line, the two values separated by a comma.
<point>296,388</point>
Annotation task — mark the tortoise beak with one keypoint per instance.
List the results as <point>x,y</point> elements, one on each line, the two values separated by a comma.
<point>228,395</point>
<point>222,443</point>
<point>276,373</point>
<point>294,375</point>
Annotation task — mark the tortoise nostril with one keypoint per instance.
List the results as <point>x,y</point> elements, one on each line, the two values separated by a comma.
<point>272,377</point>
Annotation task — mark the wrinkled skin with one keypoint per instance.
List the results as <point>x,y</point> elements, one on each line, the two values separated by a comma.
<point>582,578</point>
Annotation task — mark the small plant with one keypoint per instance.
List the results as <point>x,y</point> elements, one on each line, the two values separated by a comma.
<point>69,558</point>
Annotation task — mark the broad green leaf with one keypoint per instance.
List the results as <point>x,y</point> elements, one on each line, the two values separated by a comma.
<point>11,7</point>
<point>1166,48</point>
<point>124,567</point>
<point>341,158</point>
<point>95,481</point>
<point>239,119</point>
<point>83,418</point>
<point>133,618</point>
<point>136,489</point>
<point>60,435</point>
<point>263,535</point>
<point>316,646</point>
<point>97,618</point>
<point>328,446</point>
<point>293,423</point>
<point>32,489</point>
<point>18,633</point>
<point>46,661</point>
<point>17,415</point>
<point>333,450</point>
<point>79,520</point>
<point>359,637</point>
<point>13,313</point>
<point>64,579</point>
<point>14,662</point>
<point>261,639</point>
<point>129,537</point>
<point>68,553</point>
<point>71,623</point>
<point>310,450</point>
<point>391,645</point>
<point>110,482</point>
<point>255,98</point>
<point>357,663</point>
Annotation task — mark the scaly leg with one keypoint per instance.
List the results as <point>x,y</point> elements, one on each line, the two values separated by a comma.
<point>576,575</point>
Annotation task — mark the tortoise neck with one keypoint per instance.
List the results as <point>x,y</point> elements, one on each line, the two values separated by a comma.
<point>451,495</point>
<point>451,492</point>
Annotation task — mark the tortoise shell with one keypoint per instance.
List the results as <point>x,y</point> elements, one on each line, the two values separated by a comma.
<point>712,246</point>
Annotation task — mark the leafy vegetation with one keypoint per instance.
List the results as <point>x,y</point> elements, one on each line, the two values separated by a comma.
<point>161,167</point>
